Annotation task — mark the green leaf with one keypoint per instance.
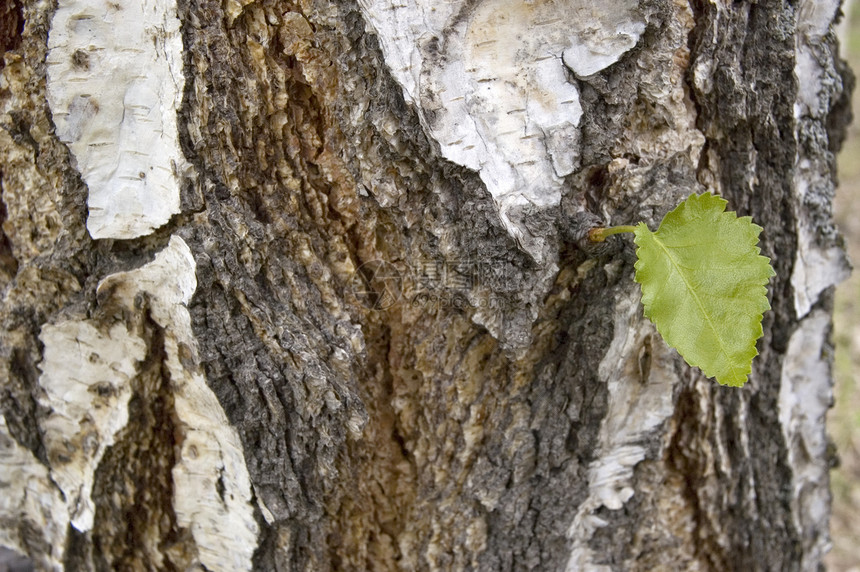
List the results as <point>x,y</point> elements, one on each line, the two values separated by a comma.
<point>703,285</point>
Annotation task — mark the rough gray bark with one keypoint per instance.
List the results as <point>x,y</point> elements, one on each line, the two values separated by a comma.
<point>347,350</point>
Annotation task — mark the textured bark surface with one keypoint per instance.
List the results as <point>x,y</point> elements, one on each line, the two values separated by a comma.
<point>349,350</point>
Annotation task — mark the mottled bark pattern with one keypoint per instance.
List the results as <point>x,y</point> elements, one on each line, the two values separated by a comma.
<point>411,389</point>
<point>753,146</point>
<point>136,525</point>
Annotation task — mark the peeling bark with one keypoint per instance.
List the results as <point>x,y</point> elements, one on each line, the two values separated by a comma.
<point>352,324</point>
<point>114,83</point>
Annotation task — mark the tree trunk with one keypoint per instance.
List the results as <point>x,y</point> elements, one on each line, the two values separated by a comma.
<point>302,286</point>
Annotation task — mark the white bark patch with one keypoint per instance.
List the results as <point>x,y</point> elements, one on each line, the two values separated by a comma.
<point>114,84</point>
<point>805,395</point>
<point>492,83</point>
<point>212,488</point>
<point>30,502</point>
<point>816,267</point>
<point>85,378</point>
<point>638,369</point>
<point>806,385</point>
<point>816,16</point>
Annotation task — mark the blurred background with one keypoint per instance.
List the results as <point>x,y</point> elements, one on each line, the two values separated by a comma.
<point>844,419</point>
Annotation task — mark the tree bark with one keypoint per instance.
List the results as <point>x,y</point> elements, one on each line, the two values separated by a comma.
<point>302,286</point>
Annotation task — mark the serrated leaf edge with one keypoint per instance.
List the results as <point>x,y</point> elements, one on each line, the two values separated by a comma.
<point>699,303</point>
<point>741,380</point>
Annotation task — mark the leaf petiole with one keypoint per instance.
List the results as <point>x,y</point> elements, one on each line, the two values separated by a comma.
<point>601,234</point>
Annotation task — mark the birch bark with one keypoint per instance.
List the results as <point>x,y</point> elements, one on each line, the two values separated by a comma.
<point>301,285</point>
